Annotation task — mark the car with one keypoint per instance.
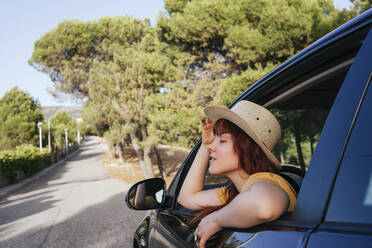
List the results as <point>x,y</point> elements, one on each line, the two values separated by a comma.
<point>321,95</point>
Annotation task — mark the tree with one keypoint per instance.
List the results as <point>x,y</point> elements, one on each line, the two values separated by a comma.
<point>95,114</point>
<point>175,117</point>
<point>245,33</point>
<point>241,38</point>
<point>67,53</point>
<point>362,5</point>
<point>19,115</point>
<point>136,72</point>
<point>58,122</point>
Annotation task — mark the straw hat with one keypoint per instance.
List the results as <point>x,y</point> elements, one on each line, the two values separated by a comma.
<point>258,122</point>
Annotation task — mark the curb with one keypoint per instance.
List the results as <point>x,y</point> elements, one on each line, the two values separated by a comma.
<point>4,191</point>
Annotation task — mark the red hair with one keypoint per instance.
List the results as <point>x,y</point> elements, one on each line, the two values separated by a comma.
<point>251,159</point>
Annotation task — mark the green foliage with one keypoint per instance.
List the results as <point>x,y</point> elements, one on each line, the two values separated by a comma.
<point>175,5</point>
<point>67,53</point>
<point>120,86</point>
<point>117,133</point>
<point>174,117</point>
<point>86,128</point>
<point>233,86</point>
<point>95,115</point>
<point>19,115</point>
<point>25,159</point>
<point>362,5</point>
<point>58,122</point>
<point>245,32</point>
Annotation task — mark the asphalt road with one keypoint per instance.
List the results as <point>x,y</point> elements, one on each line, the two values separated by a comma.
<point>76,205</point>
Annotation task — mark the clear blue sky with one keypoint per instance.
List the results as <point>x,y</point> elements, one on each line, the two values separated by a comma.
<point>24,21</point>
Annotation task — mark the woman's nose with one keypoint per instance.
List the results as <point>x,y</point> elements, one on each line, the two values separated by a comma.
<point>211,147</point>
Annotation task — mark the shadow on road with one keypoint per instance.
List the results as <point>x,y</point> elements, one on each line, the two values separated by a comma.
<point>85,155</point>
<point>23,198</point>
<point>75,182</point>
<point>25,209</point>
<point>106,224</point>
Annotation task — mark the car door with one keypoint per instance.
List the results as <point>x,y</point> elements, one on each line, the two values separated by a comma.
<point>171,228</point>
<point>348,219</point>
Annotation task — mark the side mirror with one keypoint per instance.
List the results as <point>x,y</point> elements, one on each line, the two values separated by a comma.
<point>146,194</point>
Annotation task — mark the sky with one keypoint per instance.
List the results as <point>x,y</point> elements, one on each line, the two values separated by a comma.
<point>22,22</point>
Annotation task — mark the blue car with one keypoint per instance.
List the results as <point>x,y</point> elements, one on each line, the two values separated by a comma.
<point>323,100</point>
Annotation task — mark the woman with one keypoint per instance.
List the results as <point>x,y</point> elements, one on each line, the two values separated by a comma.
<point>237,143</point>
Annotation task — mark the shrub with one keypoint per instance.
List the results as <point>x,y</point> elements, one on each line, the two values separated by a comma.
<point>25,159</point>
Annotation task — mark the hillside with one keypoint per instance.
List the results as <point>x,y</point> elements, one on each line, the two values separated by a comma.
<point>74,112</point>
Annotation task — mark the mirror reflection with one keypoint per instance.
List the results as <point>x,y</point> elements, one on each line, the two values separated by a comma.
<point>146,195</point>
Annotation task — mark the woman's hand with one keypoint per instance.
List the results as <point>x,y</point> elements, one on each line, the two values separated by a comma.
<point>207,227</point>
<point>207,131</point>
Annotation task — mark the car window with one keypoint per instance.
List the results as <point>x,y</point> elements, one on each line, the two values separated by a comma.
<point>300,117</point>
<point>351,200</point>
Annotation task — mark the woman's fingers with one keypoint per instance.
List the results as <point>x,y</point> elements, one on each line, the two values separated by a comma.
<point>206,121</point>
<point>202,242</point>
<point>207,131</point>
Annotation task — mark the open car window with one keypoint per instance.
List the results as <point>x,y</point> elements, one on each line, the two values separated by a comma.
<point>302,111</point>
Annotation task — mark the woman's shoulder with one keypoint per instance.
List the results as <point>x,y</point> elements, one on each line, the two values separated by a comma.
<point>269,177</point>
<point>261,177</point>
<point>274,179</point>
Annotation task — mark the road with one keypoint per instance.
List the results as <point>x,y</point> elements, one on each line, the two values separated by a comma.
<point>76,205</point>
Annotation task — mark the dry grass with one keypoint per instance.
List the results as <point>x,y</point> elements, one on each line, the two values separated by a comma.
<point>130,172</point>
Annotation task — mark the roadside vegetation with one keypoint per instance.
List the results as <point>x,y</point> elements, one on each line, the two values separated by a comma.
<point>20,154</point>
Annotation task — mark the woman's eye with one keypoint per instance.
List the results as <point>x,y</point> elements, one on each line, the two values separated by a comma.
<point>222,141</point>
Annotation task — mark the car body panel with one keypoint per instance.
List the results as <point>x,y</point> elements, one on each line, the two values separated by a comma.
<point>267,239</point>
<point>339,240</point>
<point>172,231</point>
<point>327,155</point>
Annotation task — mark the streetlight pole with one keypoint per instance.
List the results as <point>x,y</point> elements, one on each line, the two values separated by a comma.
<point>66,141</point>
<point>40,138</point>
<point>49,138</point>
<point>78,136</point>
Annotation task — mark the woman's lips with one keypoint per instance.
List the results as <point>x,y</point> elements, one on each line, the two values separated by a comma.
<point>212,159</point>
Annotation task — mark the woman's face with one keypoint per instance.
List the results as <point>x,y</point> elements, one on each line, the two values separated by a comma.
<point>223,158</point>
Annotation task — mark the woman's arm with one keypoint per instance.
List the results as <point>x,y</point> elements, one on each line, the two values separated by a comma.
<point>263,202</point>
<point>192,195</point>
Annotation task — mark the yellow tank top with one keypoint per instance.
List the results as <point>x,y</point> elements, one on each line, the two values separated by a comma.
<point>264,177</point>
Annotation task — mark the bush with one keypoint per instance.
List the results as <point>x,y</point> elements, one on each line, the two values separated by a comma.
<point>26,159</point>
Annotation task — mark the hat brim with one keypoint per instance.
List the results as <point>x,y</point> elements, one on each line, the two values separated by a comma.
<point>214,113</point>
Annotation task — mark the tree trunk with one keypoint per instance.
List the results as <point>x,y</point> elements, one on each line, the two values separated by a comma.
<point>116,150</point>
<point>140,154</point>
<point>312,145</point>
<point>299,151</point>
<point>110,147</point>
<point>121,152</point>
<point>163,174</point>
<point>147,160</point>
